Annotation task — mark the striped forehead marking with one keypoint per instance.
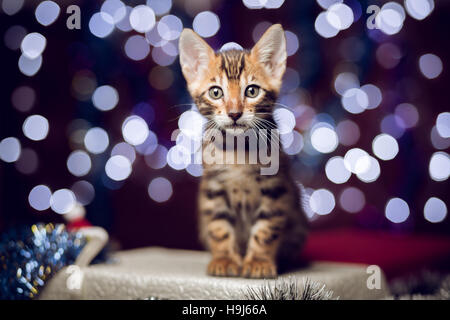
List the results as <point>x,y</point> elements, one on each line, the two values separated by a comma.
<point>233,62</point>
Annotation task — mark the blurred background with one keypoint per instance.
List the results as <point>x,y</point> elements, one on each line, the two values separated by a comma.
<point>92,99</point>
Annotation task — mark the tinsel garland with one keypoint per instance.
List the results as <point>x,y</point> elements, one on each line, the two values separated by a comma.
<point>289,289</point>
<point>30,255</point>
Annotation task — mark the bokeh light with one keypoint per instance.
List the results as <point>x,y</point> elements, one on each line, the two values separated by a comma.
<point>323,138</point>
<point>348,132</point>
<point>345,81</point>
<point>124,149</point>
<point>160,7</point>
<point>322,201</point>
<point>115,9</point>
<point>135,130</point>
<point>28,161</point>
<point>388,55</point>
<point>438,141</point>
<point>325,4</point>
<point>336,170</point>
<point>352,200</point>
<point>79,163</point>
<point>191,123</point>
<point>137,48</point>
<point>118,168</point>
<point>259,30</point>
<point>292,43</point>
<point>296,144</point>
<point>161,78</point>
<point>124,24</point>
<point>323,26</point>
<point>39,197</point>
<point>96,140</point>
<point>430,65</point>
<point>161,58</point>
<point>23,98</point>
<point>11,7</point>
<point>84,192</point>
<point>408,114</point>
<point>390,18</point>
<point>142,18</point>
<point>178,157</point>
<point>101,24</point>
<point>158,158</point>
<point>29,67</point>
<point>62,201</point>
<point>170,27</point>
<point>357,160</point>
<point>10,149</point>
<point>195,169</point>
<point>35,127</point>
<point>419,9</point>
<point>285,120</point>
<point>435,210</point>
<point>371,170</point>
<point>443,124</point>
<point>373,94</point>
<point>47,12</point>
<point>160,189</point>
<point>355,100</point>
<point>105,98</point>
<point>206,24</point>
<point>13,37</point>
<point>149,145</point>
<point>340,16</point>
<point>397,210</point>
<point>393,125</point>
<point>385,147</point>
<point>439,167</point>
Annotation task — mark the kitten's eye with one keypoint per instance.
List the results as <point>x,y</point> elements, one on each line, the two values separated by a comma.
<point>252,91</point>
<point>215,93</point>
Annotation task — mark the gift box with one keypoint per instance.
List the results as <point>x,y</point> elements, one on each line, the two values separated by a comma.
<point>160,273</point>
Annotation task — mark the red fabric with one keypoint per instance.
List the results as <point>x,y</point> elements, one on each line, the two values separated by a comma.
<point>78,224</point>
<point>396,254</point>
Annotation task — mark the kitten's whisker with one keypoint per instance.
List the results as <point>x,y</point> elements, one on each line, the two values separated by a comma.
<point>273,125</point>
<point>275,137</point>
<point>262,132</point>
<point>210,131</point>
<point>267,124</point>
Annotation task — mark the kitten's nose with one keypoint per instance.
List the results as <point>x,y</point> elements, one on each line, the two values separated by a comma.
<point>235,115</point>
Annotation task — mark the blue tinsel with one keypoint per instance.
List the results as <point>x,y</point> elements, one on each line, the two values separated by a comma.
<point>30,255</point>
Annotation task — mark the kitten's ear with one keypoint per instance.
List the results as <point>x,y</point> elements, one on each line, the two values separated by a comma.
<point>195,54</point>
<point>270,51</point>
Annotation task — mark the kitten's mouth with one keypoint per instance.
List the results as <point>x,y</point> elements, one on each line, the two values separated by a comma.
<point>235,128</point>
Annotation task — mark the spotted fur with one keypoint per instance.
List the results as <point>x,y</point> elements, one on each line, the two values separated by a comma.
<point>247,220</point>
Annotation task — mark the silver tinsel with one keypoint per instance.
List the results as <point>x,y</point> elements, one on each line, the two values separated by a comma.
<point>289,289</point>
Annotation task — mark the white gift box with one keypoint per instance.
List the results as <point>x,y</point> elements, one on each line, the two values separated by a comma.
<point>180,274</point>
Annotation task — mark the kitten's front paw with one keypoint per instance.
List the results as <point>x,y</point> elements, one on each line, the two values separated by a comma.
<point>259,268</point>
<point>223,267</point>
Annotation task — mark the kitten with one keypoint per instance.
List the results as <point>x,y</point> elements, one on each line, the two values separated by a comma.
<point>247,220</point>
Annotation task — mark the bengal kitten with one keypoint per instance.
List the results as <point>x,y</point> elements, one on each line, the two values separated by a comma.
<point>248,221</point>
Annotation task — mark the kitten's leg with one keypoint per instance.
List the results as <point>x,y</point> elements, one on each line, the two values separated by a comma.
<point>222,243</point>
<point>217,229</point>
<point>263,245</point>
